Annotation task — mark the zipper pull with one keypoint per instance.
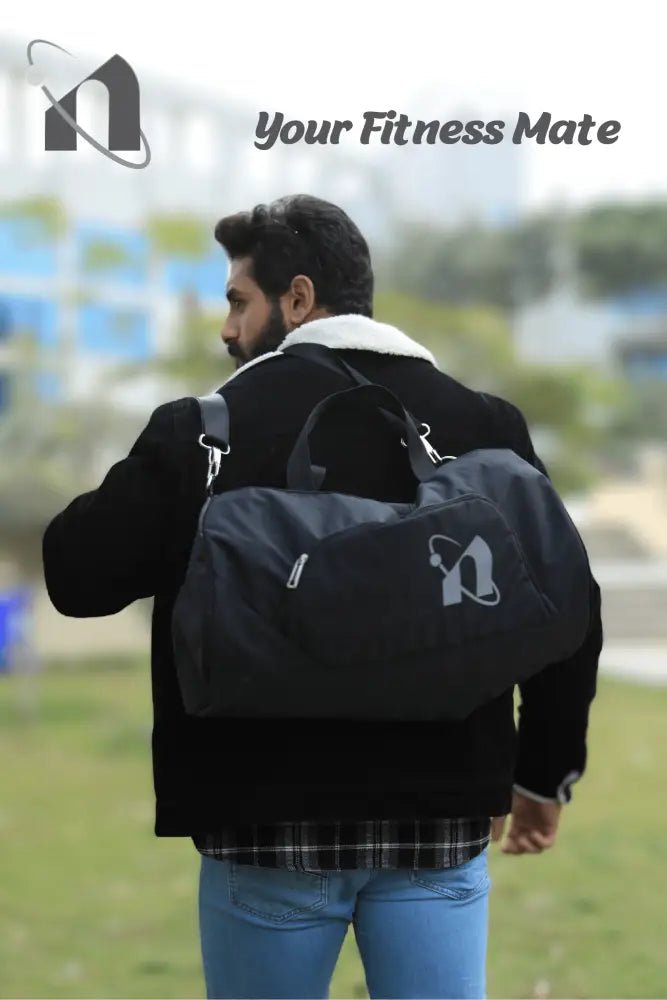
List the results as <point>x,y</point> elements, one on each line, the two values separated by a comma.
<point>297,570</point>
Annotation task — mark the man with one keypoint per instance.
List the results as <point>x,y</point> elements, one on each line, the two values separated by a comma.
<point>307,826</point>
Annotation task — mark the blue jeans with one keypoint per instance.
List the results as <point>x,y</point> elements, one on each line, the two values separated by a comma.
<point>270,932</point>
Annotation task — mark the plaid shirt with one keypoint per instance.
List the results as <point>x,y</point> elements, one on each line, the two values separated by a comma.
<point>378,843</point>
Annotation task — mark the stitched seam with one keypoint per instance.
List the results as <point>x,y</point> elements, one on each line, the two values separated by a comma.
<point>277,918</point>
<point>451,892</point>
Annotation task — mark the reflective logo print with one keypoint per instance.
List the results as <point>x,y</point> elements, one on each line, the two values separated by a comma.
<point>453,590</point>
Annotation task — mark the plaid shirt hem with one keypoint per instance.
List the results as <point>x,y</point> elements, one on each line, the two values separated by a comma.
<point>336,846</point>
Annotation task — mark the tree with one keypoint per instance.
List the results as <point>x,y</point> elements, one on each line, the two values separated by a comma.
<point>50,449</point>
<point>51,454</point>
<point>619,247</point>
<point>198,359</point>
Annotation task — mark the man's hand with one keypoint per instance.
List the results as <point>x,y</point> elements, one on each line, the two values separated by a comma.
<point>533,826</point>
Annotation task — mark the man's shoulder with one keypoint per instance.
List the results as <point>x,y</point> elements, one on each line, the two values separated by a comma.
<point>502,419</point>
<point>509,424</point>
<point>169,419</point>
<point>276,379</point>
<point>501,409</point>
<point>267,390</point>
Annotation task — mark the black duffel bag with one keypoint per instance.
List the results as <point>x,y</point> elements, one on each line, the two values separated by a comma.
<point>305,604</point>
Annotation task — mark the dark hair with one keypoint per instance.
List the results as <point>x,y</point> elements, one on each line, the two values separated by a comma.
<point>300,234</point>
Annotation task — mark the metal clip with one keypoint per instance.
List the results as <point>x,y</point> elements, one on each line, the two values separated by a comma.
<point>430,450</point>
<point>214,460</point>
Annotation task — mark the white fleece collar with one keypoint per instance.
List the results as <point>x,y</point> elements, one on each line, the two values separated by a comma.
<point>358,332</point>
<point>351,330</point>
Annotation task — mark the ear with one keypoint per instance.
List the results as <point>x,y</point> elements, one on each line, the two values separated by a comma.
<point>299,300</point>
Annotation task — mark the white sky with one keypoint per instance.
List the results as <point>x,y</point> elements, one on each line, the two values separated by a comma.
<point>337,60</point>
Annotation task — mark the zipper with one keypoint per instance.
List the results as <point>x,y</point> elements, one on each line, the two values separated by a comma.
<point>297,570</point>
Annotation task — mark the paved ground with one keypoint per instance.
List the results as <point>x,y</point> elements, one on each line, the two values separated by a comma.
<point>645,664</point>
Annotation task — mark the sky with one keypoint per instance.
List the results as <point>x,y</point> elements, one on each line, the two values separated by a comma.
<point>319,60</point>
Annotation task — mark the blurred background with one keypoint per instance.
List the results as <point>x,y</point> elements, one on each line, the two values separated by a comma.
<point>536,273</point>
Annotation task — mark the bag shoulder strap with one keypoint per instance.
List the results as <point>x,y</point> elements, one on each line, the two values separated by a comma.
<point>215,418</point>
<point>328,358</point>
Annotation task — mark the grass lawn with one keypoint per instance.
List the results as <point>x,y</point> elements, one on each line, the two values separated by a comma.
<point>93,905</point>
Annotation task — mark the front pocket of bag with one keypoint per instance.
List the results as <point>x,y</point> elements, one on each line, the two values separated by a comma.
<point>276,894</point>
<point>442,576</point>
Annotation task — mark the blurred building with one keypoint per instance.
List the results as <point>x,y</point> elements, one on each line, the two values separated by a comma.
<point>450,185</point>
<point>88,314</point>
<point>642,342</point>
<point>614,334</point>
<point>93,291</point>
<point>625,333</point>
<point>96,293</point>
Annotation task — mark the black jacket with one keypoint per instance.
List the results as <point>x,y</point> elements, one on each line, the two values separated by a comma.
<point>131,538</point>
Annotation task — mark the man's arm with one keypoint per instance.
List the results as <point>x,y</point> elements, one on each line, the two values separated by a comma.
<point>555,703</point>
<point>553,719</point>
<point>130,538</point>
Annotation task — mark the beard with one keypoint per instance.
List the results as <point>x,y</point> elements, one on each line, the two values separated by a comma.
<point>270,336</point>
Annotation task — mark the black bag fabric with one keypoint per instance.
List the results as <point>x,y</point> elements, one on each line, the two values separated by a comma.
<point>299,603</point>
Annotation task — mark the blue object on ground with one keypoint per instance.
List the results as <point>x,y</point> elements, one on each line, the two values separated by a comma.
<point>15,613</point>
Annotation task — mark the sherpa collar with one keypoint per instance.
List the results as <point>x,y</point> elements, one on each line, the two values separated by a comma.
<point>351,330</point>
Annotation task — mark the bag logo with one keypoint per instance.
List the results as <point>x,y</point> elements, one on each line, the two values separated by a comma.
<point>486,592</point>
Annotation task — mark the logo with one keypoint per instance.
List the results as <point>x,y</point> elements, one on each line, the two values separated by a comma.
<point>453,590</point>
<point>60,125</point>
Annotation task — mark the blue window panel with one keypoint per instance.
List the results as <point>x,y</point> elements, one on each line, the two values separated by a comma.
<point>5,390</point>
<point>5,320</point>
<point>131,266</point>
<point>27,312</point>
<point>48,386</point>
<point>647,365</point>
<point>115,333</point>
<point>25,249</point>
<point>644,301</point>
<point>205,277</point>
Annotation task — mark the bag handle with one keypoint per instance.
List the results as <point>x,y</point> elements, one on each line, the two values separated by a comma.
<point>215,433</point>
<point>303,475</point>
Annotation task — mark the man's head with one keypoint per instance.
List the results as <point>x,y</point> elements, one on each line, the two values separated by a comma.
<point>295,260</point>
